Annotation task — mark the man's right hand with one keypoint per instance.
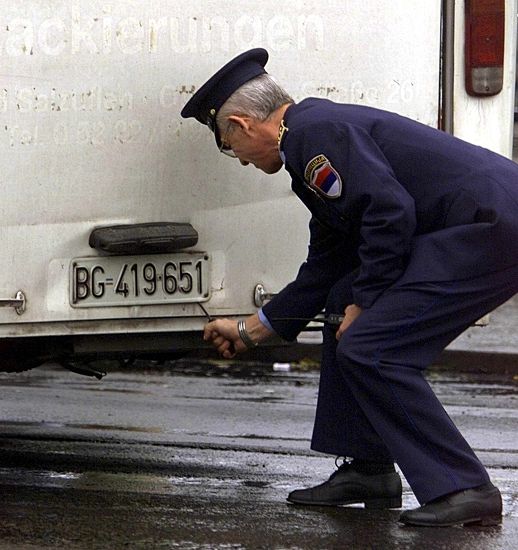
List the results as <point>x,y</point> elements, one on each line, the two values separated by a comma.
<point>350,314</point>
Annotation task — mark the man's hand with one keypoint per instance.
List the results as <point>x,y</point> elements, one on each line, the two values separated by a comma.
<point>223,335</point>
<point>351,313</point>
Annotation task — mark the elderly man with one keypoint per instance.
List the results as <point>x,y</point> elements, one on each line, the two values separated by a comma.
<point>414,236</point>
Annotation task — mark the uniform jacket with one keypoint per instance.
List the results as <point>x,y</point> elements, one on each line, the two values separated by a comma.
<point>390,198</point>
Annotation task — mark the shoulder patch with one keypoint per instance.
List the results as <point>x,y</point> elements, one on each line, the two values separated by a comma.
<point>321,176</point>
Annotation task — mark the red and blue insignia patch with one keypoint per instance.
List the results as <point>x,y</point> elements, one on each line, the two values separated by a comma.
<point>320,175</point>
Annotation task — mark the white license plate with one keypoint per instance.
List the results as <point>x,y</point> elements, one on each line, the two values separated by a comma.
<point>139,280</point>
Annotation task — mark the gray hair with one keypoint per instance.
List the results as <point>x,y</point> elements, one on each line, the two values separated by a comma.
<point>257,98</point>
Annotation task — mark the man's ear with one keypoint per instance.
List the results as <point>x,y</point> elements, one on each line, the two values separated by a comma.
<point>243,122</point>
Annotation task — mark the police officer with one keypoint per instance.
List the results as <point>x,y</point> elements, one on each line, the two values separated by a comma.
<point>413,237</point>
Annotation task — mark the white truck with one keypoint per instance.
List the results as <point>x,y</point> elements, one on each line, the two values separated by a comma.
<point>121,226</point>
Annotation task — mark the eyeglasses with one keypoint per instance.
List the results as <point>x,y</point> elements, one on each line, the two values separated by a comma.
<point>224,147</point>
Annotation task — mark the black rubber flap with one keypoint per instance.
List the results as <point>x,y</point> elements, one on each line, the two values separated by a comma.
<point>143,238</point>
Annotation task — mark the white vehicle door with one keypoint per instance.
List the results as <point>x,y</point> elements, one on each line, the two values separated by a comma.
<point>91,136</point>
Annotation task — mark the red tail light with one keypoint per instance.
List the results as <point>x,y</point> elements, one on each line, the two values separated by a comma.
<point>484,47</point>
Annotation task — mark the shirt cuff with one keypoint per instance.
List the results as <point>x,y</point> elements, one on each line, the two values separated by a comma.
<point>264,319</point>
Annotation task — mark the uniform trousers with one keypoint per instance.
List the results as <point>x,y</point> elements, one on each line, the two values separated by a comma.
<point>374,402</point>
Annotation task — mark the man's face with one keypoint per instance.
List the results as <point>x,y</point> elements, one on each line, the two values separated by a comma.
<point>253,142</point>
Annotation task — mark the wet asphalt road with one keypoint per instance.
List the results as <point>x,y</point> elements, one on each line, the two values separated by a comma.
<point>204,458</point>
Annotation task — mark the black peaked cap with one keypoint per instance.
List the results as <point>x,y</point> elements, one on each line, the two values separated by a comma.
<point>207,101</point>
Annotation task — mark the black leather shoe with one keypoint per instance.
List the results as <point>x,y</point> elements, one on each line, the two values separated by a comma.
<point>480,505</point>
<point>347,486</point>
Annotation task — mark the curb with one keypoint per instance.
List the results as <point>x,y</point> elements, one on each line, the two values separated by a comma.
<point>459,360</point>
<point>479,361</point>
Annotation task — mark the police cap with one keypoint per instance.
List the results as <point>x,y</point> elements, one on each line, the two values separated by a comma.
<point>206,102</point>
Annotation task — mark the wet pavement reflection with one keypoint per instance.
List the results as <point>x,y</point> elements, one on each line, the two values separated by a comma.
<point>200,457</point>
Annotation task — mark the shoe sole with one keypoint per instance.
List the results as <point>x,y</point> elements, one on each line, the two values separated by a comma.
<point>484,522</point>
<point>372,503</point>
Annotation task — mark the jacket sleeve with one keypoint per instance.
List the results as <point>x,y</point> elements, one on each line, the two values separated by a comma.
<point>329,258</point>
<point>375,205</point>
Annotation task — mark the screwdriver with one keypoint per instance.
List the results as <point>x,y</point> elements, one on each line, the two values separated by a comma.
<point>333,319</point>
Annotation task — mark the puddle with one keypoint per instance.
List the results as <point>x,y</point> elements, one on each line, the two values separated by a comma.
<point>151,429</point>
<point>107,427</point>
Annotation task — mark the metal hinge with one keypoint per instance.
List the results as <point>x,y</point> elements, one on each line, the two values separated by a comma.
<point>18,302</point>
<point>261,296</point>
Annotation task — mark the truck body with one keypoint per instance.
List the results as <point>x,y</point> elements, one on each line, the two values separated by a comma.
<point>92,138</point>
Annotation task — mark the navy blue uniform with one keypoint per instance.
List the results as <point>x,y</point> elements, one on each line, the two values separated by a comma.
<point>420,229</point>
